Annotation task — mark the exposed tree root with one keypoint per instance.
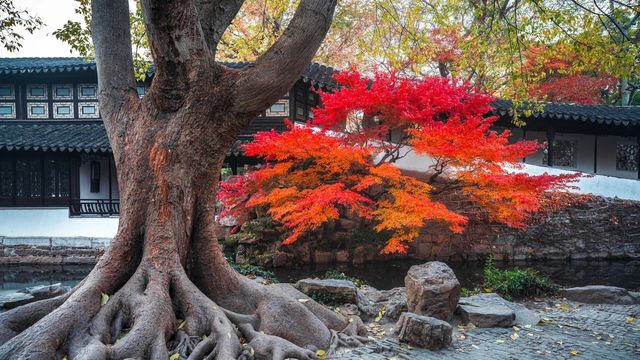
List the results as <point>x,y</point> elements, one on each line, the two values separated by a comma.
<point>159,312</point>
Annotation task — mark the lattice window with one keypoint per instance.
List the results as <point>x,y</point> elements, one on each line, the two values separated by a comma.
<point>564,154</point>
<point>627,157</point>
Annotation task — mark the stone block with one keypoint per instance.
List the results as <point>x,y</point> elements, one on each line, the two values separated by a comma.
<point>424,331</point>
<point>337,290</point>
<point>71,242</point>
<point>432,290</point>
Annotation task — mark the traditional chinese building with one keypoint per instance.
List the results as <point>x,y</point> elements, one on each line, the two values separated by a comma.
<point>57,177</point>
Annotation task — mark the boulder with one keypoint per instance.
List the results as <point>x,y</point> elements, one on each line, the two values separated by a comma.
<point>600,294</point>
<point>491,310</point>
<point>372,301</point>
<point>336,290</point>
<point>424,331</point>
<point>31,294</point>
<point>40,292</point>
<point>432,290</point>
<point>13,300</point>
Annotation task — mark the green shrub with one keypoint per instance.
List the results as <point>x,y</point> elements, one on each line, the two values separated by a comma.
<point>337,275</point>
<point>252,271</point>
<point>516,283</point>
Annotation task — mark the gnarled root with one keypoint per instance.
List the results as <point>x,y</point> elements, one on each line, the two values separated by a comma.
<point>160,313</point>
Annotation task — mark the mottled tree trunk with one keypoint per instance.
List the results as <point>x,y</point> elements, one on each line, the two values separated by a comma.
<point>164,265</point>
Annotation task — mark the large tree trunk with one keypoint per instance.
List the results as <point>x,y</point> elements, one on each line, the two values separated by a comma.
<point>165,263</point>
<point>170,289</point>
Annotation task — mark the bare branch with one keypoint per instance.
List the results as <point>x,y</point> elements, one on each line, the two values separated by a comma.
<point>263,82</point>
<point>215,17</point>
<point>112,43</point>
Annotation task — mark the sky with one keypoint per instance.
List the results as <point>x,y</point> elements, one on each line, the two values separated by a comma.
<point>54,13</point>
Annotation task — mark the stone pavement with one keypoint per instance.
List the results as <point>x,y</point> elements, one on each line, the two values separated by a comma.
<point>567,330</point>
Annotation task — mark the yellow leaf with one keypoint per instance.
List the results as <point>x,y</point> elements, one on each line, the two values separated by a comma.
<point>321,354</point>
<point>514,336</point>
<point>181,324</point>
<point>487,290</point>
<point>104,298</point>
<point>631,319</point>
<point>175,356</point>
<point>574,353</point>
<point>303,300</point>
<point>380,315</point>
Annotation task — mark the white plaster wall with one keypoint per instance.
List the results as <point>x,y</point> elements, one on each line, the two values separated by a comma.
<point>85,181</point>
<point>536,159</point>
<point>584,150</point>
<point>607,156</point>
<point>53,222</point>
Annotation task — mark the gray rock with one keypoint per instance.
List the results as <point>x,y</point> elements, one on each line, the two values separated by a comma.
<point>391,302</point>
<point>491,310</point>
<point>424,331</point>
<point>600,294</point>
<point>14,300</point>
<point>485,312</point>
<point>40,292</point>
<point>432,290</point>
<point>337,290</point>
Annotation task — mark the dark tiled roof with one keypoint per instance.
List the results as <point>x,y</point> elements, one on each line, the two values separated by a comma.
<point>86,136</point>
<point>316,74</point>
<point>596,114</point>
<point>9,66</point>
<point>72,136</point>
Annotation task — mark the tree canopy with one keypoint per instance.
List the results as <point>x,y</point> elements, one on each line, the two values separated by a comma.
<point>315,175</point>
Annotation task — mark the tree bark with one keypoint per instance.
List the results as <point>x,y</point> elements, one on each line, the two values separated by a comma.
<point>170,289</point>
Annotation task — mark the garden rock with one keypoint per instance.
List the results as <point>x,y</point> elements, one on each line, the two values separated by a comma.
<point>388,303</point>
<point>600,294</point>
<point>41,292</point>
<point>491,310</point>
<point>432,290</point>
<point>14,300</point>
<point>424,331</point>
<point>336,290</point>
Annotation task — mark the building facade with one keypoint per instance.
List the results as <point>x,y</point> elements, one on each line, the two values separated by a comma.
<point>57,176</point>
<point>58,179</point>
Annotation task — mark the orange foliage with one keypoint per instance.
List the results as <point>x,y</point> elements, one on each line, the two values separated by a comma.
<point>315,175</point>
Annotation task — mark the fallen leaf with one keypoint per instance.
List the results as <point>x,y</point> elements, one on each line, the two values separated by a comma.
<point>175,356</point>
<point>321,354</point>
<point>514,336</point>
<point>104,298</point>
<point>500,341</point>
<point>303,300</point>
<point>181,324</point>
<point>574,353</point>
<point>631,319</point>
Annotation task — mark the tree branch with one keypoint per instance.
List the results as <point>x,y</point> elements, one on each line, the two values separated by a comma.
<point>262,83</point>
<point>112,42</point>
<point>215,17</point>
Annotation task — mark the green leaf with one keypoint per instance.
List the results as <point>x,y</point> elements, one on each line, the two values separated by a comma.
<point>104,298</point>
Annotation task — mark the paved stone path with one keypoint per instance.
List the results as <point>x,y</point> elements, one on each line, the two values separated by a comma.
<point>568,331</point>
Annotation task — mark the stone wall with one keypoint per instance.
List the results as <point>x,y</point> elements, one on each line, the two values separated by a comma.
<point>602,228</point>
<point>51,250</point>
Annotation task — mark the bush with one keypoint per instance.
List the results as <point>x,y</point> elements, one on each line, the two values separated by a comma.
<point>516,283</point>
<point>252,271</point>
<point>337,275</point>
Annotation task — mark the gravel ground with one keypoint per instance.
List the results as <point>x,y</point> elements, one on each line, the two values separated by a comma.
<point>567,331</point>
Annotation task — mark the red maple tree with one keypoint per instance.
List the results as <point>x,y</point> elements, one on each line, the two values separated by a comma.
<point>344,165</point>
